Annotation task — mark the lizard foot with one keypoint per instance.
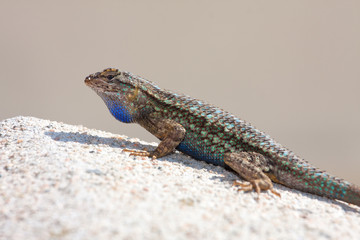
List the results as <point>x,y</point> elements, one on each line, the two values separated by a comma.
<point>256,185</point>
<point>251,166</point>
<point>143,153</point>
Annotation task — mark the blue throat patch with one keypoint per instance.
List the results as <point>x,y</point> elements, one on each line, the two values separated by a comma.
<point>121,113</point>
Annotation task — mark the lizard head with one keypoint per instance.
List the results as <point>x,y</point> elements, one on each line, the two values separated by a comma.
<point>120,92</point>
<point>107,81</point>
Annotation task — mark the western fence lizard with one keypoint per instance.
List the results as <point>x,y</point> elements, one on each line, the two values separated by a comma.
<point>208,133</point>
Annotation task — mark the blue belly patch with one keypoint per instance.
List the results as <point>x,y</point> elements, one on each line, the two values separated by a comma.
<point>199,152</point>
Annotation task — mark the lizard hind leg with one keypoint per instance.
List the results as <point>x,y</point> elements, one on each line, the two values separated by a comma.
<point>250,165</point>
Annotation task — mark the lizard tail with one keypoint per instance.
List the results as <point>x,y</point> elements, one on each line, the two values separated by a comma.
<point>304,177</point>
<point>352,195</point>
<point>336,188</point>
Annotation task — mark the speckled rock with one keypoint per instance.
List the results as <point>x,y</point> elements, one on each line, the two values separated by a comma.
<point>59,181</point>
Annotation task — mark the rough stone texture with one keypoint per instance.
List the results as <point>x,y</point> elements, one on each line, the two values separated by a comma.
<point>59,181</point>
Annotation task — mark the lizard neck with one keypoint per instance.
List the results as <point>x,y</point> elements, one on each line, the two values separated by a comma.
<point>128,109</point>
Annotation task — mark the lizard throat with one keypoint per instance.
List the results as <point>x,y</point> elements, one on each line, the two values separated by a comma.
<point>120,112</point>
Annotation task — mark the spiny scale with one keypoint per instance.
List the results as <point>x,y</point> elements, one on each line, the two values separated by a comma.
<point>211,134</point>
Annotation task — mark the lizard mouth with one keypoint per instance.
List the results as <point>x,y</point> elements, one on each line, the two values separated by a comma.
<point>94,80</point>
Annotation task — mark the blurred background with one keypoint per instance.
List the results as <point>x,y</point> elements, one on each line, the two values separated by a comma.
<point>291,68</point>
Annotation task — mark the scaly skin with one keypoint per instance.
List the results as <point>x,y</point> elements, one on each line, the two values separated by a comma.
<point>211,134</point>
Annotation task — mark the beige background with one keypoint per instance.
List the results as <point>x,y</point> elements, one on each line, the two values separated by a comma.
<point>289,67</point>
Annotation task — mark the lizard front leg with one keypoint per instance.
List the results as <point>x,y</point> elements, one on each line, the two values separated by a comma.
<point>250,166</point>
<point>168,131</point>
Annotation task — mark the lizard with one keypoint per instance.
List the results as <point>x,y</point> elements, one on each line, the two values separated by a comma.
<point>213,135</point>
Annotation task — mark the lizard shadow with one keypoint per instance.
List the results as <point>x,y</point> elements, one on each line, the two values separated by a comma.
<point>85,138</point>
<point>124,143</point>
<point>178,157</point>
<point>345,206</point>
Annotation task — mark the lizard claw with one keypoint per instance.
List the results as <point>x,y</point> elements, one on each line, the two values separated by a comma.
<point>275,192</point>
<point>246,187</point>
<point>143,153</point>
<point>137,153</point>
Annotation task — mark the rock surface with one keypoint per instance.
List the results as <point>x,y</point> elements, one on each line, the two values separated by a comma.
<point>59,181</point>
